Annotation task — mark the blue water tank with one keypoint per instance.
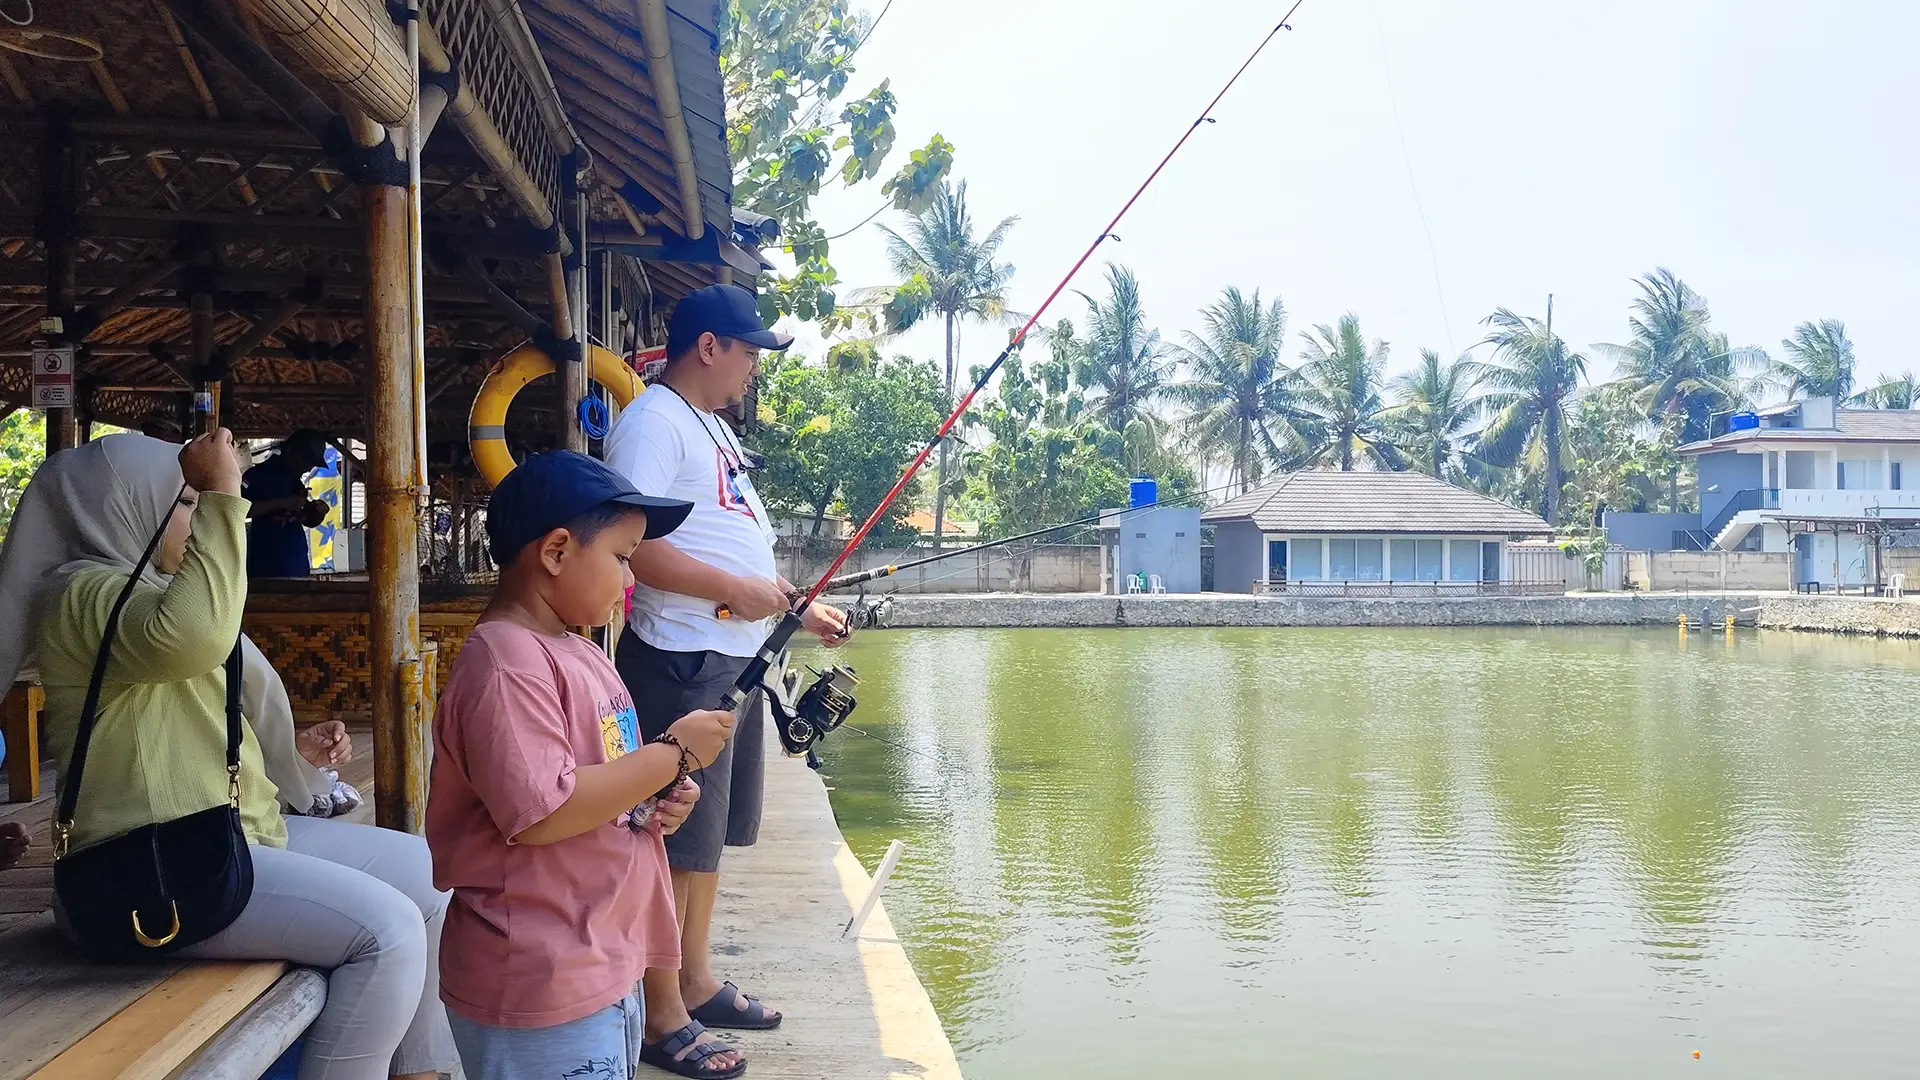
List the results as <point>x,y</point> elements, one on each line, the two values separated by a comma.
<point>1743,421</point>
<point>1142,491</point>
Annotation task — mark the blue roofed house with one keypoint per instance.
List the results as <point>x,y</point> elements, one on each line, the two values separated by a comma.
<point>1830,484</point>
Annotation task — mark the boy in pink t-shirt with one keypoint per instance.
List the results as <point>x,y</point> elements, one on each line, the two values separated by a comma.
<point>546,809</point>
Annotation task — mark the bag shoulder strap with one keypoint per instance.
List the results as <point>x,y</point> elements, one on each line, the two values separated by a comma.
<point>77,762</point>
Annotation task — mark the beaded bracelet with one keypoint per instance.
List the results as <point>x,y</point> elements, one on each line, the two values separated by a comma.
<point>682,772</point>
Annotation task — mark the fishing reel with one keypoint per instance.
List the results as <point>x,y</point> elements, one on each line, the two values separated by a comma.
<point>865,614</point>
<point>801,723</point>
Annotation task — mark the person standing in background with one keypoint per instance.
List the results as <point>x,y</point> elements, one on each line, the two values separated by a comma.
<point>282,508</point>
<point>677,655</point>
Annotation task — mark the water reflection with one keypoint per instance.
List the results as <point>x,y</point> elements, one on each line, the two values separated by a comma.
<point>1381,853</point>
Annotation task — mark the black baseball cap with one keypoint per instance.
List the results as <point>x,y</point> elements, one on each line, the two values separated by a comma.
<point>546,491</point>
<point>724,311</point>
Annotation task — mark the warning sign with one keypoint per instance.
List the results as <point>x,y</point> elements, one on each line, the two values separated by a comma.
<point>53,377</point>
<point>649,362</point>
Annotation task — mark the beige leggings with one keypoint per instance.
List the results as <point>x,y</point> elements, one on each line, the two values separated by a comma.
<point>357,901</point>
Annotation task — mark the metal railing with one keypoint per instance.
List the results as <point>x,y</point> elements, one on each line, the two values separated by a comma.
<point>1407,589</point>
<point>1745,499</point>
<point>1691,540</point>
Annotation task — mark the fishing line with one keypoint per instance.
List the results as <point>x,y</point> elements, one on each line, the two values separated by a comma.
<point>1076,527</point>
<point>1406,159</point>
<point>790,623</point>
<point>987,374</point>
<point>942,765</point>
<point>1101,517</point>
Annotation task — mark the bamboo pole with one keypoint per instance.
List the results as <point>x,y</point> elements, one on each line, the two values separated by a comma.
<point>573,370</point>
<point>416,137</point>
<point>393,546</point>
<point>354,46</point>
<point>666,91</point>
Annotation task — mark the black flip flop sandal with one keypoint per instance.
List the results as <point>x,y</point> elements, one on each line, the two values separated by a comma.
<point>719,1011</point>
<point>660,1054</point>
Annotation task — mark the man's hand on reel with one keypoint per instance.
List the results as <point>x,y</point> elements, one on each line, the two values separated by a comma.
<point>824,621</point>
<point>755,598</point>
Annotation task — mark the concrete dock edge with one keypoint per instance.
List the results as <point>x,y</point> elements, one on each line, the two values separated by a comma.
<point>854,1010</point>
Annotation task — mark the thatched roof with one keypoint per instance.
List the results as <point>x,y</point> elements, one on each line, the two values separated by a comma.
<point>174,154</point>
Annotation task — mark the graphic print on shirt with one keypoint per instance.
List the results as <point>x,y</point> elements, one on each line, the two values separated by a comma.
<point>619,735</point>
<point>733,484</point>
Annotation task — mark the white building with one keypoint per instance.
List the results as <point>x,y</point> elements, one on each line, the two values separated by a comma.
<point>1319,527</point>
<point>1826,483</point>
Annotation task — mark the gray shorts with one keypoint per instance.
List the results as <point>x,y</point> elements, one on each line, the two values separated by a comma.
<point>603,1046</point>
<point>667,686</point>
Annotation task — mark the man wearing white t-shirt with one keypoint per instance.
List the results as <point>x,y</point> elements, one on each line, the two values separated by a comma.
<point>678,655</point>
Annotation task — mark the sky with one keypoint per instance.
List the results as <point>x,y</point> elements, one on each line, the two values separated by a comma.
<point>1767,152</point>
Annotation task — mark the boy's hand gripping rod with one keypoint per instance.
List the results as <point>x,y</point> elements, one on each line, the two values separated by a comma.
<point>789,624</point>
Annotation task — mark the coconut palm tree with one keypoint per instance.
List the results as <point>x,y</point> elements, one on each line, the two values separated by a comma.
<point>947,271</point>
<point>1674,363</point>
<point>1238,396</point>
<point>1900,391</point>
<point>1438,409</point>
<point>1339,392</point>
<point>1530,378</point>
<point>1819,361</point>
<point>1124,364</point>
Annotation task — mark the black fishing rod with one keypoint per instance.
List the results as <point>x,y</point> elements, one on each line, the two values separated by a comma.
<point>863,576</point>
<point>828,701</point>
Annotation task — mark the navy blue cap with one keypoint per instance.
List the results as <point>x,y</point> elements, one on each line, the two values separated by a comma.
<point>548,490</point>
<point>722,310</point>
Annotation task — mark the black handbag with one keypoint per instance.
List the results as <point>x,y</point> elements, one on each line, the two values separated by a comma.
<point>161,887</point>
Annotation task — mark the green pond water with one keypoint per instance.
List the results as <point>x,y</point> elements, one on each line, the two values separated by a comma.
<point>1384,853</point>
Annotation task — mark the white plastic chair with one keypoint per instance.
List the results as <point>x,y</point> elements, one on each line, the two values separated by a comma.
<point>1155,584</point>
<point>1897,584</point>
<point>1133,584</point>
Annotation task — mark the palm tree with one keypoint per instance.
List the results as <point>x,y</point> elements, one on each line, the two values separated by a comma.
<point>1900,391</point>
<point>1438,409</point>
<point>1531,377</point>
<point>950,272</point>
<point>1339,391</point>
<point>1238,398</point>
<point>1125,363</point>
<point>1675,364</point>
<point>1819,361</point>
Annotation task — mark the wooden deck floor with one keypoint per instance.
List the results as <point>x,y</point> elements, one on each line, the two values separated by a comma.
<point>855,1010</point>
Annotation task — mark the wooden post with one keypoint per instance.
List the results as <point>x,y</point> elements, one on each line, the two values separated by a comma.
<point>20,719</point>
<point>393,548</point>
<point>63,433</point>
<point>573,376</point>
<point>200,327</point>
<point>60,231</point>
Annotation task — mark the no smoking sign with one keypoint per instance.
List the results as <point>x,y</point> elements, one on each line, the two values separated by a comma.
<point>53,377</point>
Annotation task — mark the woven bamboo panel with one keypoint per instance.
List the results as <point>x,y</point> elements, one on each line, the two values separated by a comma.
<point>322,656</point>
<point>499,85</point>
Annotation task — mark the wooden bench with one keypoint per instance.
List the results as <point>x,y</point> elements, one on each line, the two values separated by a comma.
<point>65,1018</point>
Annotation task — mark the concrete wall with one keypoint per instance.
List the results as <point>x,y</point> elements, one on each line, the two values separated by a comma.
<point>1710,571</point>
<point>1163,541</point>
<point>1842,615</point>
<point>1054,569</point>
<point>1646,532</point>
<point>1733,473</point>
<point>1239,556</point>
<point>1215,609</point>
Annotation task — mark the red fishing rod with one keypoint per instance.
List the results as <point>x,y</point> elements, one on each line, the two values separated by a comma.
<point>757,667</point>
